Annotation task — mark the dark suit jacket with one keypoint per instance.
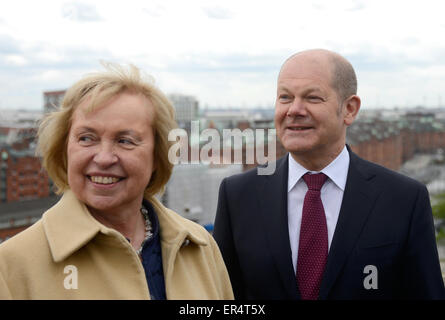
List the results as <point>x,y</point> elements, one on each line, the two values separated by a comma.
<point>385,220</point>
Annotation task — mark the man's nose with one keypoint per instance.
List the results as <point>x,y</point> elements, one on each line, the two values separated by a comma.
<point>297,109</point>
<point>105,155</point>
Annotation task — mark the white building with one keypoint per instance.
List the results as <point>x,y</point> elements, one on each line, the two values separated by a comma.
<point>52,100</point>
<point>193,190</point>
<point>187,107</point>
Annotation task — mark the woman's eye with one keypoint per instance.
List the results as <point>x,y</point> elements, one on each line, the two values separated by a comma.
<point>126,141</point>
<point>85,139</point>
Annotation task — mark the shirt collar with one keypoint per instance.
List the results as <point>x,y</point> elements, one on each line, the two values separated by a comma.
<point>337,170</point>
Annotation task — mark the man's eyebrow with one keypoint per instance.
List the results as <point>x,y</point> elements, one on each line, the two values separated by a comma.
<point>283,88</point>
<point>312,89</point>
<point>305,90</point>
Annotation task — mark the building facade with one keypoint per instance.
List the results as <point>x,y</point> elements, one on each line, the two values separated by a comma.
<point>186,109</point>
<point>193,190</point>
<point>52,100</point>
<point>21,176</point>
<point>390,143</point>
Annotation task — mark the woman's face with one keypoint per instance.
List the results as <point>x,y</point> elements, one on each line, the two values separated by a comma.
<point>110,153</point>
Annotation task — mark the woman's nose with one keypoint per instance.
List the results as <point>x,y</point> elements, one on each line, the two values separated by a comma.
<point>105,156</point>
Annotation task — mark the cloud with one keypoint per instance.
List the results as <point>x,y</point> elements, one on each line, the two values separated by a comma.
<point>41,56</point>
<point>229,63</point>
<point>221,51</point>
<point>80,12</point>
<point>8,45</point>
<point>232,79</point>
<point>216,12</point>
<point>16,60</point>
<point>347,5</point>
<point>42,67</point>
<point>155,11</point>
<point>356,6</point>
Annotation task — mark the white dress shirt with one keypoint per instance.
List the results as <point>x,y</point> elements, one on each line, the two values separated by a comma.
<point>331,197</point>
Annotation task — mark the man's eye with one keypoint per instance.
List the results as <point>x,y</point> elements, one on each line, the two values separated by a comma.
<point>315,99</point>
<point>284,97</point>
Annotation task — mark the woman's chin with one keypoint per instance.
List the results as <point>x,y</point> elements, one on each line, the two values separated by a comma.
<point>100,204</point>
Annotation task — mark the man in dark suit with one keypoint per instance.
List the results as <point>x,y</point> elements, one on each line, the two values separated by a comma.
<point>326,224</point>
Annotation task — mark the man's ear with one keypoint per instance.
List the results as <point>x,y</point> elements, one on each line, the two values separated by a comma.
<point>352,106</point>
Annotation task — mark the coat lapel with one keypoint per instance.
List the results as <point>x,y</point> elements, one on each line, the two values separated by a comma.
<point>68,226</point>
<point>273,212</point>
<point>358,200</point>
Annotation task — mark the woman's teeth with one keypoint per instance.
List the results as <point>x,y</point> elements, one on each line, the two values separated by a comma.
<point>104,180</point>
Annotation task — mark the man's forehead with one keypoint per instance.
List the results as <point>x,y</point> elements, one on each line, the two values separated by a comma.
<point>306,85</point>
<point>301,72</point>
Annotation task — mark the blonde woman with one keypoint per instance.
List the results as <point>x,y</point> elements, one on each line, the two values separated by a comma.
<point>106,151</point>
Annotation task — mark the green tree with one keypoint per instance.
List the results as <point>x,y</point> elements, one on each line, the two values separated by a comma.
<point>439,213</point>
<point>439,207</point>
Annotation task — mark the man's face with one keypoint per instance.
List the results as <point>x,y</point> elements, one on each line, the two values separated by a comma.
<point>308,116</point>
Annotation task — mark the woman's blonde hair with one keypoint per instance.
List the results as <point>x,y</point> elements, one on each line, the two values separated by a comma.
<point>99,88</point>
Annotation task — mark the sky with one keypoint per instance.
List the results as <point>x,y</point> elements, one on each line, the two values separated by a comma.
<point>226,53</point>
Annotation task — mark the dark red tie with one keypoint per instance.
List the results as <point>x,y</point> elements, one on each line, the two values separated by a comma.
<point>313,245</point>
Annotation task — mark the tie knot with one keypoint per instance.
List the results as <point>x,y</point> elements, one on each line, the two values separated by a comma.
<point>315,181</point>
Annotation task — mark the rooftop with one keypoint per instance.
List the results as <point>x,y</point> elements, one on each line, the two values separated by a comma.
<point>18,210</point>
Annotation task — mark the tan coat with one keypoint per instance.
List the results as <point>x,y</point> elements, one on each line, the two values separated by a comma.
<point>44,261</point>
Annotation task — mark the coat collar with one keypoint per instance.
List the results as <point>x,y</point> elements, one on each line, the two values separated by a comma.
<point>175,228</point>
<point>68,226</point>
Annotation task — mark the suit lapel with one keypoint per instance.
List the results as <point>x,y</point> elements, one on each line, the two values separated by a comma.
<point>358,200</point>
<point>273,212</point>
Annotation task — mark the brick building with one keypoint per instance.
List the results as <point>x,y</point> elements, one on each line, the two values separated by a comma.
<point>21,176</point>
<point>391,143</point>
<point>24,186</point>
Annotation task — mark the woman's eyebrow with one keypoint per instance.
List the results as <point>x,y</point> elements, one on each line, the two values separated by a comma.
<point>130,132</point>
<point>84,129</point>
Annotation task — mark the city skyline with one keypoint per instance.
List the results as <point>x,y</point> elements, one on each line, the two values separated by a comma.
<point>224,53</point>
